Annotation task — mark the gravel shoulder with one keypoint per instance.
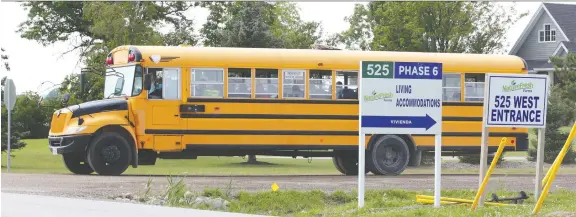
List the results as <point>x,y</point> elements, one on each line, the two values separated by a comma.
<point>102,187</point>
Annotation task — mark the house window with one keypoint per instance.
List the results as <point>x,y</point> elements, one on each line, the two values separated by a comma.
<point>547,34</point>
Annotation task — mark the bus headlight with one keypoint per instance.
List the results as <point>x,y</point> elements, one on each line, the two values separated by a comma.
<point>75,129</point>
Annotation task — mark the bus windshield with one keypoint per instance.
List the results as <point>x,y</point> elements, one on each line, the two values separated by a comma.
<point>123,81</point>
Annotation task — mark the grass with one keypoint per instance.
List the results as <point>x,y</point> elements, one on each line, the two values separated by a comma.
<point>36,158</point>
<point>377,203</point>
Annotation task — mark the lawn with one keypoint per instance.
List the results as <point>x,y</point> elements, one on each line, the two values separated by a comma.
<point>377,203</point>
<point>36,158</point>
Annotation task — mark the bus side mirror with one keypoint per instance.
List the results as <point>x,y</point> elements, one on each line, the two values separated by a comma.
<point>65,99</point>
<point>147,81</point>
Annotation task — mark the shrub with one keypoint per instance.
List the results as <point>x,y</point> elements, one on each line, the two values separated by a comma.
<point>560,113</point>
<point>475,159</point>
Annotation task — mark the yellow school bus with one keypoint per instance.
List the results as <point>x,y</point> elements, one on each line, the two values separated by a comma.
<point>184,102</point>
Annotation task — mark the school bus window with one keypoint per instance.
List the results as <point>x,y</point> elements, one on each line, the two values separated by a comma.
<point>207,82</point>
<point>294,83</point>
<point>474,87</point>
<point>347,85</point>
<point>451,87</point>
<point>266,83</point>
<point>239,83</point>
<point>320,84</point>
<point>171,86</point>
<point>137,89</point>
<point>155,91</point>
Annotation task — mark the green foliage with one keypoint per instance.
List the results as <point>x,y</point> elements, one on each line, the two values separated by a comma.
<point>212,192</point>
<point>15,133</point>
<point>4,61</point>
<point>114,23</point>
<point>258,24</point>
<point>475,159</point>
<point>472,27</point>
<point>560,112</point>
<point>377,203</point>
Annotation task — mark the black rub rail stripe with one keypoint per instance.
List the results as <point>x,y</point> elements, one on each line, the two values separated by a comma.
<point>476,134</point>
<point>306,133</point>
<point>271,116</point>
<point>302,101</point>
<point>315,117</point>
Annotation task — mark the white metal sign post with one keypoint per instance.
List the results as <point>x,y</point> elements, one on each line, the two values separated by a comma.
<point>515,100</point>
<point>399,98</point>
<point>9,102</point>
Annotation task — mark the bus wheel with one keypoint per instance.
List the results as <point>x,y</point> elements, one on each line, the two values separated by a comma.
<point>109,154</point>
<point>337,165</point>
<point>76,163</point>
<point>347,164</point>
<point>389,155</point>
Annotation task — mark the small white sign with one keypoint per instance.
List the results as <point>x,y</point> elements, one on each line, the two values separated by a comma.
<point>516,100</point>
<point>294,74</point>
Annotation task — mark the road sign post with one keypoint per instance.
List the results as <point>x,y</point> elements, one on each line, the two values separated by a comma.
<point>514,100</point>
<point>9,102</point>
<point>399,98</point>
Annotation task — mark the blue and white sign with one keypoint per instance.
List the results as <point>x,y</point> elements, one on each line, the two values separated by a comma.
<point>401,97</point>
<point>516,100</point>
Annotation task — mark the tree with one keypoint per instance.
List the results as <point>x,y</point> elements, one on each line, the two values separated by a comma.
<point>561,111</point>
<point>453,27</point>
<point>80,23</point>
<point>15,135</point>
<point>258,24</point>
<point>114,23</point>
<point>29,117</point>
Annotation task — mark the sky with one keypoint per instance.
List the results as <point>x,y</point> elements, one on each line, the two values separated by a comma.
<point>36,68</point>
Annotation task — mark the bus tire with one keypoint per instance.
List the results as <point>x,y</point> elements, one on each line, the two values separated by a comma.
<point>337,165</point>
<point>348,163</point>
<point>76,163</point>
<point>415,158</point>
<point>109,154</point>
<point>388,155</point>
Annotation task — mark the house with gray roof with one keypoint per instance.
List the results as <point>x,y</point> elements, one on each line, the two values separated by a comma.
<point>550,32</point>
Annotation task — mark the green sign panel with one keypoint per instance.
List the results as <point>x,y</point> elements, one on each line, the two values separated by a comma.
<point>377,69</point>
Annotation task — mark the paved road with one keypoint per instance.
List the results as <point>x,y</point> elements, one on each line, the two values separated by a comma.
<point>22,205</point>
<point>105,187</point>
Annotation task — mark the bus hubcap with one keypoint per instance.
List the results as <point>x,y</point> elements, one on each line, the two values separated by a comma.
<point>111,154</point>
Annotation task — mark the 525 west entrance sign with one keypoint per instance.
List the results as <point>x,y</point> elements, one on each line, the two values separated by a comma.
<point>401,97</point>
<point>516,101</point>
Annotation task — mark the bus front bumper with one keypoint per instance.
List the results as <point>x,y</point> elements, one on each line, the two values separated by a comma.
<point>68,144</point>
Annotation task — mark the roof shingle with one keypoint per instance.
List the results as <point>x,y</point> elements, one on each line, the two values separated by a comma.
<point>565,16</point>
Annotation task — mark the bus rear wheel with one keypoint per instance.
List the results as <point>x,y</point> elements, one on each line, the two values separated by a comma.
<point>109,154</point>
<point>76,163</point>
<point>388,155</point>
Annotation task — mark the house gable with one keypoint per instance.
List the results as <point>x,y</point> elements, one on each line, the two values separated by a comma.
<point>540,38</point>
<point>565,17</point>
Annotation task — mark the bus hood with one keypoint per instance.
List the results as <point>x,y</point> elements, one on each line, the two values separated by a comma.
<point>97,106</point>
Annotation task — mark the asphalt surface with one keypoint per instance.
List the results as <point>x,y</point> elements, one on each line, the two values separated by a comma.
<point>107,187</point>
<point>22,205</point>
